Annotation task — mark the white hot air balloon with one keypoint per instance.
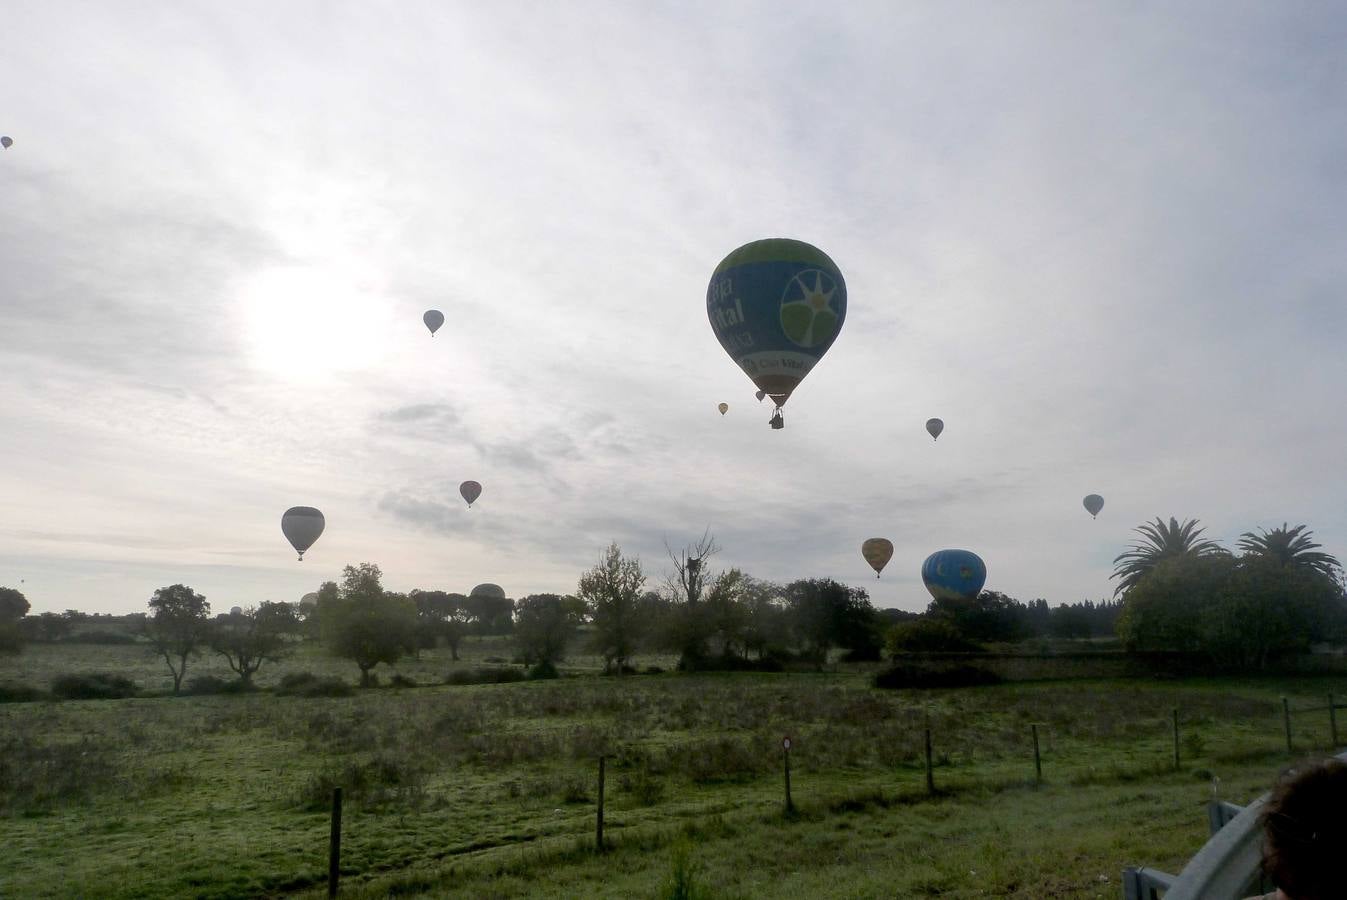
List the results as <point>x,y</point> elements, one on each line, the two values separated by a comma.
<point>302,525</point>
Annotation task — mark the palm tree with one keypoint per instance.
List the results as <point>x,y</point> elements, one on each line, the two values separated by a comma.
<point>1161,542</point>
<point>1290,547</point>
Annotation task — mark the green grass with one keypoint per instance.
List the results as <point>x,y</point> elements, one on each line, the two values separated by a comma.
<point>488,790</point>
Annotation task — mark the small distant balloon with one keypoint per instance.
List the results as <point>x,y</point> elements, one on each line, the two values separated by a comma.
<point>6,142</point>
<point>877,552</point>
<point>1094,503</point>
<point>470,490</point>
<point>934,427</point>
<point>302,525</point>
<point>433,319</point>
<point>954,574</point>
<point>760,395</point>
<point>724,408</point>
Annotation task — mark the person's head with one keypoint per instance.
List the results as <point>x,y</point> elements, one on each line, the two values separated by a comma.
<point>1305,831</point>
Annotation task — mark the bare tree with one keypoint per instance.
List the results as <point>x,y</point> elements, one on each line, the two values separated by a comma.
<point>690,625</point>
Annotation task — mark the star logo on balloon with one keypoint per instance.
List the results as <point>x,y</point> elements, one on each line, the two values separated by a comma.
<point>807,316</point>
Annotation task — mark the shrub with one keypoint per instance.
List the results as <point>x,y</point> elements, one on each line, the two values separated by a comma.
<point>484,676</point>
<point>910,676</point>
<point>307,684</point>
<point>108,638</point>
<point>402,681</point>
<point>212,684</point>
<point>684,871</point>
<point>92,687</point>
<point>381,781</point>
<point>653,670</point>
<point>927,634</point>
<point>13,692</point>
<point>542,670</point>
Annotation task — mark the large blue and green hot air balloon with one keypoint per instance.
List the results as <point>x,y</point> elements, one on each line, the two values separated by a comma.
<point>954,574</point>
<point>776,307</point>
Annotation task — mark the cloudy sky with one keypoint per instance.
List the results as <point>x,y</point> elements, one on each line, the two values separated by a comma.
<point>1105,242</point>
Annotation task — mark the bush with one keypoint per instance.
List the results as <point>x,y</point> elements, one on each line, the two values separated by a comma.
<point>654,670</point>
<point>100,637</point>
<point>484,676</point>
<point>909,676</point>
<point>92,687</point>
<point>202,685</point>
<point>543,670</point>
<point>13,692</point>
<point>382,781</point>
<point>307,684</point>
<point>927,635</point>
<point>402,681</point>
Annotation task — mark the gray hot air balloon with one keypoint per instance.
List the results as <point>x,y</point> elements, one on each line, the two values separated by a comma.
<point>934,427</point>
<point>1094,503</point>
<point>433,319</point>
<point>302,525</point>
<point>6,142</point>
<point>470,490</point>
<point>760,395</point>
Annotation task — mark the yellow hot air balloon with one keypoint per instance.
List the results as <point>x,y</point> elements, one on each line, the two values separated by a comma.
<point>877,552</point>
<point>724,408</point>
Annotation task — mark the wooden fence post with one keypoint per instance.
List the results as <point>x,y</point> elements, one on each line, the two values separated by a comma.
<point>598,824</point>
<point>930,776</point>
<point>1286,721</point>
<point>785,758</point>
<point>1333,722</point>
<point>1175,713</point>
<point>334,845</point>
<point>1038,765</point>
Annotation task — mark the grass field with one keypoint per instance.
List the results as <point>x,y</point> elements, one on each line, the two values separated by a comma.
<point>489,790</point>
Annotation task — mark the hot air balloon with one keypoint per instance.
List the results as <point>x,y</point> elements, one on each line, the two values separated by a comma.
<point>302,525</point>
<point>433,319</point>
<point>6,142</point>
<point>934,427</point>
<point>760,395</point>
<point>954,574</point>
<point>724,408</point>
<point>877,552</point>
<point>470,490</point>
<point>1094,503</point>
<point>776,306</point>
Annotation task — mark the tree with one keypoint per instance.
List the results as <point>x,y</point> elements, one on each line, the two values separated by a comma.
<point>442,615</point>
<point>177,627</point>
<point>766,623</point>
<point>364,624</point>
<point>48,628</point>
<point>1160,542</point>
<point>13,607</point>
<point>990,617</point>
<point>689,627</point>
<point>611,591</point>
<point>544,625</point>
<point>254,636</point>
<point>1293,548</point>
<point>826,614</point>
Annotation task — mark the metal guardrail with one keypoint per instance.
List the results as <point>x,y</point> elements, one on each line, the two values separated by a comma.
<point>1228,867</point>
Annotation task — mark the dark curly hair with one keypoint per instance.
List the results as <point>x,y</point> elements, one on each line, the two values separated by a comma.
<point>1305,831</point>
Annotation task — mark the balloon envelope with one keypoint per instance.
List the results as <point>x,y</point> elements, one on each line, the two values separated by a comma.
<point>6,142</point>
<point>934,427</point>
<point>470,490</point>
<point>302,525</point>
<point>776,307</point>
<point>724,408</point>
<point>1094,503</point>
<point>760,395</point>
<point>877,552</point>
<point>953,574</point>
<point>433,319</point>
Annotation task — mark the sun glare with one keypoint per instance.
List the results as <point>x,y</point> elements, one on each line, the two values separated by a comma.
<point>305,324</point>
